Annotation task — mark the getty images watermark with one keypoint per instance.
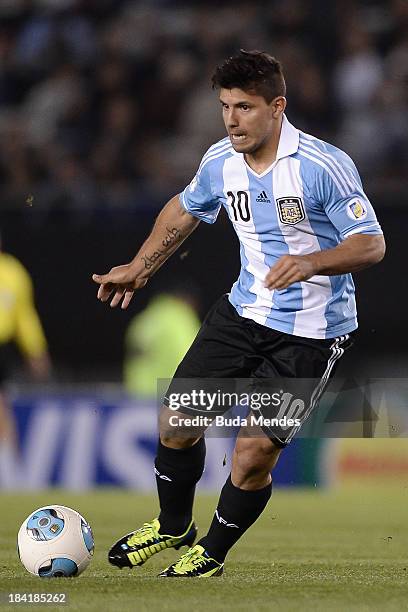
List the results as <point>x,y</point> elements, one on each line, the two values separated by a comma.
<point>311,408</point>
<point>204,401</point>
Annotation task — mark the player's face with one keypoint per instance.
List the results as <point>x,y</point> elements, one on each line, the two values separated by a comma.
<point>249,119</point>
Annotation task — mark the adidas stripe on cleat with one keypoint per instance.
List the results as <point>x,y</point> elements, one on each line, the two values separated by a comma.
<point>195,563</point>
<point>137,547</point>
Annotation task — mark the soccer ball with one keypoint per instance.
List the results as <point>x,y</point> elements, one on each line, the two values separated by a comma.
<point>55,541</point>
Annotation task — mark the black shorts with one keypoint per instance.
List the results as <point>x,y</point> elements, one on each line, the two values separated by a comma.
<point>229,346</point>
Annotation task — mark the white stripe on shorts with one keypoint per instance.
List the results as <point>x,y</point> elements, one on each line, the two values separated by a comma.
<point>337,352</point>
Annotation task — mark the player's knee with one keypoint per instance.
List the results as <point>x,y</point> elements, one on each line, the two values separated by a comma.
<point>172,441</point>
<point>255,456</point>
<point>172,431</point>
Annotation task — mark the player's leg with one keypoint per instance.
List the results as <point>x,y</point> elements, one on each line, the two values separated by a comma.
<point>178,466</point>
<point>243,499</point>
<point>244,495</point>
<point>217,352</point>
<point>305,364</point>
<point>249,488</point>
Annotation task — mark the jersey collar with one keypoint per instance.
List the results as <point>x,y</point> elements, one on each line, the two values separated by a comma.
<point>288,145</point>
<point>289,139</point>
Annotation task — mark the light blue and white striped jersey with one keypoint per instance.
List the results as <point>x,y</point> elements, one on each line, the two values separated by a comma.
<point>310,199</point>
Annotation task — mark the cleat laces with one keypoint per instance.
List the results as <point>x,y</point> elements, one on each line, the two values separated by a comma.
<point>148,532</point>
<point>190,561</point>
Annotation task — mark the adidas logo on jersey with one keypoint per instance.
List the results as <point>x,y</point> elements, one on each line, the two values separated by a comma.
<point>263,197</point>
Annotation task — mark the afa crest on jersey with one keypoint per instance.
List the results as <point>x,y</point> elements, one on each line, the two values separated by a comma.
<point>290,210</point>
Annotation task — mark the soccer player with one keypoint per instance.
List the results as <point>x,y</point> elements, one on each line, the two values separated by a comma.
<point>304,224</point>
<point>20,325</point>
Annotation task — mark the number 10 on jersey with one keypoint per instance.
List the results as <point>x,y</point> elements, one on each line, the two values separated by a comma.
<point>240,205</point>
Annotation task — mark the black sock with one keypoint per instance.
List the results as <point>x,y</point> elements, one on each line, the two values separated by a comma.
<point>177,473</point>
<point>237,510</point>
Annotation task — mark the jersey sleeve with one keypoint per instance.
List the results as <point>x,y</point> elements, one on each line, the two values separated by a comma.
<point>340,192</point>
<point>29,333</point>
<point>198,198</point>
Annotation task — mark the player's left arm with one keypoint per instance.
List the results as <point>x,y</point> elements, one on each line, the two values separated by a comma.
<point>355,253</point>
<point>337,191</point>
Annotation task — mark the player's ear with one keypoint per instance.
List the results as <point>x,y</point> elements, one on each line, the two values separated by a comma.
<point>278,106</point>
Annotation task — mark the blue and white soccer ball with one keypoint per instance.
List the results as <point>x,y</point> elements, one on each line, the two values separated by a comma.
<point>55,541</point>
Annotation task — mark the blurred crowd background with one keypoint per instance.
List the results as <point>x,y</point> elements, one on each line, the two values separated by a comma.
<point>105,112</point>
<point>106,109</point>
<point>106,104</point>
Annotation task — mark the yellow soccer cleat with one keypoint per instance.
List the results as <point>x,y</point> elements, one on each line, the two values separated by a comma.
<point>137,547</point>
<point>196,563</point>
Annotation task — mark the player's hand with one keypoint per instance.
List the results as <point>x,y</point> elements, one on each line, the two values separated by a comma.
<point>290,269</point>
<point>121,282</point>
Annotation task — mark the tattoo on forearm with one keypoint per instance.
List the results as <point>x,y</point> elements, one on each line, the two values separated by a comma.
<point>149,260</point>
<point>172,236</point>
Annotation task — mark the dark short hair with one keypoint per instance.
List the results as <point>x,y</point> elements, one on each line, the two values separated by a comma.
<point>251,71</point>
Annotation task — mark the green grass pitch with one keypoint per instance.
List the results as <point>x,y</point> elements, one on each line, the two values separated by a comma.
<point>311,550</point>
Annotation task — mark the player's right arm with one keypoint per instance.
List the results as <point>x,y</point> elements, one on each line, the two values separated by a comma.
<point>173,225</point>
